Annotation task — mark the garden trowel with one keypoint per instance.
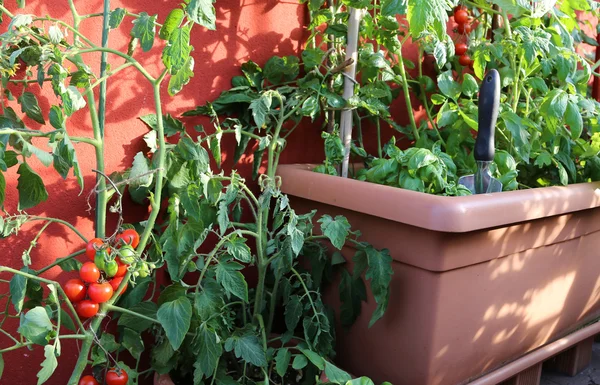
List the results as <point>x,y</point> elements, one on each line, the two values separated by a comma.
<point>482,181</point>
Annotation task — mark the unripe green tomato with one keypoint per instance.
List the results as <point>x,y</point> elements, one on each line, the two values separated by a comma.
<point>127,254</point>
<point>111,268</point>
<point>143,270</point>
<point>101,258</point>
<point>191,267</point>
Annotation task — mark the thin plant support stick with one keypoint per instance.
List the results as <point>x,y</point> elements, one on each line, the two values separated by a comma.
<point>349,82</point>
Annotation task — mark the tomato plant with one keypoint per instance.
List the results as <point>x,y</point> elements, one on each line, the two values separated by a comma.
<point>75,290</point>
<point>100,292</point>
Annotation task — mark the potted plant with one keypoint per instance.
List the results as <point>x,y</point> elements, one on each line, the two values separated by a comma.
<point>205,225</point>
<point>478,280</point>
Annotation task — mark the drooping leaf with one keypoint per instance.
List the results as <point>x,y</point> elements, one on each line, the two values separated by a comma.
<point>172,23</point>
<point>574,120</point>
<point>65,158</point>
<point>211,352</point>
<point>72,99</point>
<point>181,77</point>
<point>293,312</point>
<point>282,361</point>
<point>116,17</point>
<point>177,52</point>
<point>55,34</point>
<point>229,276</point>
<point>335,374</point>
<point>30,106</point>
<point>175,317</point>
<point>247,347</point>
<point>49,364</point>
<point>18,287</point>
<point>237,248</point>
<point>36,326</point>
<point>336,230</point>
<point>202,12</point>
<point>209,300</point>
<point>31,188</point>
<point>144,29</point>
<point>260,109</point>
<point>57,118</point>
<point>139,172</point>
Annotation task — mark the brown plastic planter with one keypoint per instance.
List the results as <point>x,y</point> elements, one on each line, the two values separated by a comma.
<point>478,281</point>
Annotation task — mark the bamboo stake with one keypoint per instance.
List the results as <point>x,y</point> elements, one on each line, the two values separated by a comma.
<point>349,82</point>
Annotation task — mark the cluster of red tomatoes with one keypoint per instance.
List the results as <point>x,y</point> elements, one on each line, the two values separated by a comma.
<point>113,377</point>
<point>102,276</point>
<point>462,17</point>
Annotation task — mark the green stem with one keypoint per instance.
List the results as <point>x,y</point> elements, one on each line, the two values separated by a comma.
<point>273,304</point>
<point>406,91</point>
<point>6,12</point>
<point>426,102</point>
<point>516,87</point>
<point>127,311</point>
<point>65,223</point>
<point>57,262</point>
<point>41,134</point>
<point>379,148</point>
<point>134,62</point>
<point>103,62</point>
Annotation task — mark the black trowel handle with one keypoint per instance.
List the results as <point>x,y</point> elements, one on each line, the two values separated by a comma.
<point>489,101</point>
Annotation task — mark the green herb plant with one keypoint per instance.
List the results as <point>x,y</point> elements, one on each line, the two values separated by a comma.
<point>207,324</point>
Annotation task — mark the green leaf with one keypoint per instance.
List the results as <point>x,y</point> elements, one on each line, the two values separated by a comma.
<point>448,86</point>
<point>247,347</point>
<point>31,108</point>
<point>293,312</point>
<point>57,118</point>
<point>72,99</point>
<point>177,52</point>
<point>49,364</point>
<point>282,361</point>
<point>31,188</point>
<point>237,248</point>
<point>260,109</point>
<point>181,77</point>
<point>144,29</point>
<point>215,147</point>
<point>519,133</point>
<point>574,120</point>
<point>116,17</point>
<point>55,34</point>
<point>313,357</point>
<point>555,103</point>
<point>361,381</point>
<point>139,172</point>
<point>132,341</point>
<point>70,264</point>
<point>393,7</point>
<point>352,292</point>
<point>18,287</point>
<point>172,23</point>
<point>335,374</point>
<point>379,272</point>
<point>336,230</point>
<point>1,365</point>
<point>206,362</point>
<point>64,157</point>
<point>281,69</point>
<point>209,300</point>
<point>175,317</point>
<point>469,85</point>
<point>147,308</point>
<point>171,293</point>
<point>36,325</point>
<point>229,276</point>
<point>202,12</point>
<point>300,362</point>
<point>423,15</point>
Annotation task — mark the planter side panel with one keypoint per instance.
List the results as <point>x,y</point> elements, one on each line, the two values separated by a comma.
<point>444,327</point>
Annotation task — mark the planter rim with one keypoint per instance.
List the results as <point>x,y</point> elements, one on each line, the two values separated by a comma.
<point>434,212</point>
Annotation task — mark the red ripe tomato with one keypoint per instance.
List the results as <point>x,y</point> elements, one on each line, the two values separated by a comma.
<point>87,308</point>
<point>464,60</point>
<point>89,272</point>
<point>88,380</point>
<point>116,282</point>
<point>464,29</point>
<point>122,268</point>
<point>100,292</point>
<point>128,237</point>
<point>461,16</point>
<point>116,377</point>
<point>93,246</point>
<point>460,49</point>
<point>75,290</point>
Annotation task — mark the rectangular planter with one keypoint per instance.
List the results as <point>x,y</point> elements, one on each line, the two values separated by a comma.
<point>478,281</point>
